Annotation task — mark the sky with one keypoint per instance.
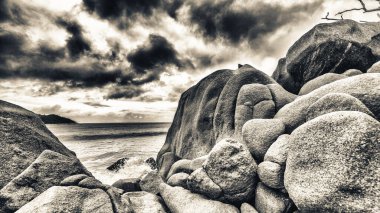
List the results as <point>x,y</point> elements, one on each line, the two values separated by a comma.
<point>130,60</point>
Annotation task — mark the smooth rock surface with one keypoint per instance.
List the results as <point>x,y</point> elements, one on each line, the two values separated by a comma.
<point>336,102</point>
<point>364,87</point>
<point>280,96</point>
<point>182,165</point>
<point>23,138</point>
<point>180,200</point>
<point>271,174</point>
<point>73,180</point>
<point>199,182</point>
<point>278,151</point>
<point>333,164</point>
<point>91,183</point>
<point>145,202</point>
<point>259,135</point>
<point>68,200</point>
<point>178,179</point>
<point>231,166</point>
<point>48,170</point>
<point>320,81</point>
<point>352,72</point>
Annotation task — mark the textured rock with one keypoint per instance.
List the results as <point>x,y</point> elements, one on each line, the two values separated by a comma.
<point>329,47</point>
<point>200,182</point>
<point>259,134</point>
<point>119,164</point>
<point>269,200</point>
<point>320,81</point>
<point>364,87</point>
<point>48,170</point>
<point>278,151</point>
<point>182,165</point>
<point>73,180</point>
<point>206,113</point>
<point>91,183</point>
<point>271,174</point>
<point>197,162</point>
<point>333,163</point>
<point>375,68</point>
<point>180,200</point>
<point>247,208</point>
<point>23,138</point>
<point>69,199</point>
<point>145,202</point>
<point>128,184</point>
<point>352,72</point>
<point>178,179</point>
<point>280,96</point>
<point>336,102</point>
<point>231,166</point>
<point>151,182</point>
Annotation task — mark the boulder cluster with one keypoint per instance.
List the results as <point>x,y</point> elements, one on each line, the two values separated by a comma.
<point>306,139</point>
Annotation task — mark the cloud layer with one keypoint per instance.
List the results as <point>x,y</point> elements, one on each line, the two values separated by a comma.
<point>99,54</point>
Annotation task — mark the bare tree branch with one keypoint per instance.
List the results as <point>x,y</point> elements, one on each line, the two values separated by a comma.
<point>363,8</point>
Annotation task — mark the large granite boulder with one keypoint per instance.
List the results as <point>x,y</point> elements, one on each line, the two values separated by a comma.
<point>329,47</point>
<point>230,165</point>
<point>364,87</point>
<point>206,113</point>
<point>180,200</point>
<point>333,164</point>
<point>68,200</point>
<point>48,170</point>
<point>23,138</point>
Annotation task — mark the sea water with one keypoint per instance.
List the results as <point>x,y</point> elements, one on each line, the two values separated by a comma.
<point>100,145</point>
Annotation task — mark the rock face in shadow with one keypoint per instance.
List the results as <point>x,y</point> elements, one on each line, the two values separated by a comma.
<point>23,138</point>
<point>329,47</point>
<point>56,119</point>
<point>206,112</point>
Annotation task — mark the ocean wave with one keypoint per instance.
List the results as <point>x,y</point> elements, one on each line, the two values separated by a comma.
<point>116,136</point>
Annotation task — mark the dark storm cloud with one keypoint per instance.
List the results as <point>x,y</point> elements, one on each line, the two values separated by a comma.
<point>155,54</point>
<point>5,13</point>
<point>124,92</point>
<point>76,44</point>
<point>234,23</point>
<point>121,11</point>
<point>10,43</point>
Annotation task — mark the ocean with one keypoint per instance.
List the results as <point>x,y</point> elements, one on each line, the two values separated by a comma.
<point>99,145</point>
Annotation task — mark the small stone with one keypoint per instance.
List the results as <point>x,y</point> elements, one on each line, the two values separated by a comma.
<point>352,72</point>
<point>91,183</point>
<point>199,182</point>
<point>259,135</point>
<point>278,151</point>
<point>269,200</point>
<point>271,174</point>
<point>178,179</point>
<point>128,185</point>
<point>73,180</point>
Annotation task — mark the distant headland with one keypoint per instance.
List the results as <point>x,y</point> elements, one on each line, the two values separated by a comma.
<point>56,119</point>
